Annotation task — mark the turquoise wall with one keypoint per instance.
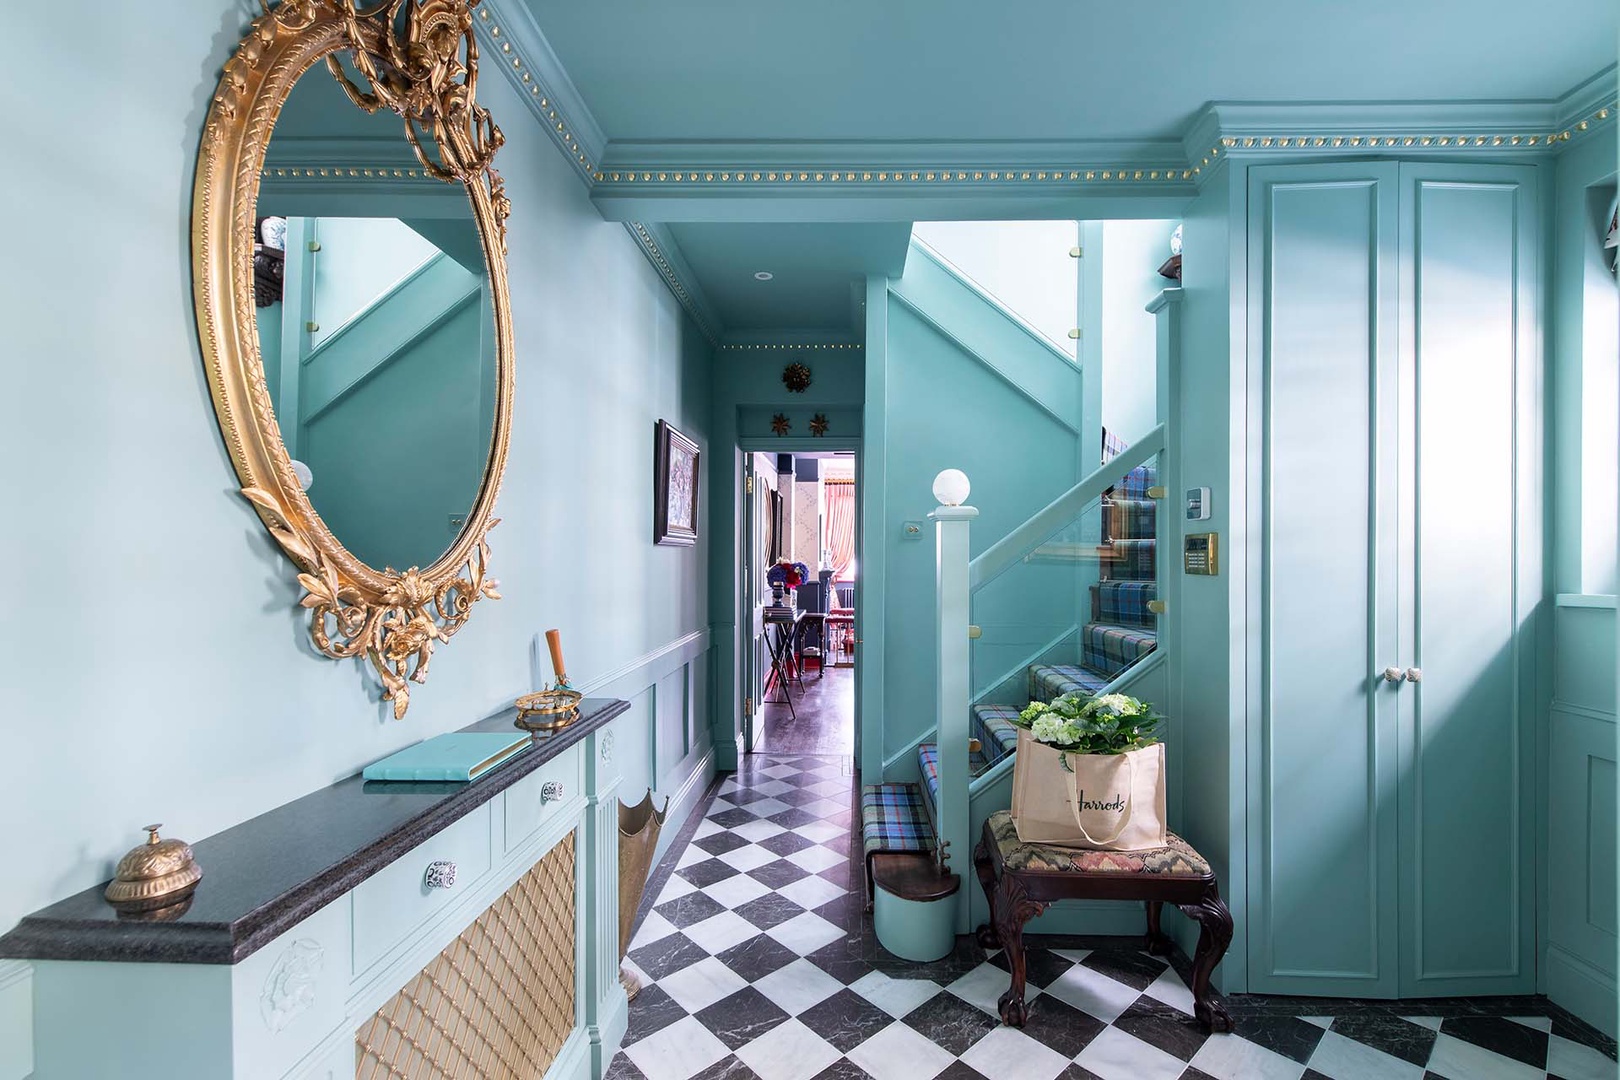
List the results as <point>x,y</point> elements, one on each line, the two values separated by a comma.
<point>162,672</point>
<point>964,387</point>
<point>1578,742</point>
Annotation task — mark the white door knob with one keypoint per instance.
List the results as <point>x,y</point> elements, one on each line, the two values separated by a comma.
<point>1414,674</point>
<point>1392,674</point>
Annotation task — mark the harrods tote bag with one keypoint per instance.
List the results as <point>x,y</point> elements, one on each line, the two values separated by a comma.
<point>1110,802</point>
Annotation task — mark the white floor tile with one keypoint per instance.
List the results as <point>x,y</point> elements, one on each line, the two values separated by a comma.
<point>1456,1059</point>
<point>706,828</point>
<point>766,807</point>
<point>701,984</point>
<point>984,985</point>
<point>897,997</point>
<point>789,1051</point>
<point>829,789</point>
<point>819,831</point>
<point>691,856</point>
<point>653,928</point>
<point>815,859</point>
<point>798,986</point>
<point>1008,1054</point>
<point>681,1050</point>
<point>1094,993</point>
<point>748,858</point>
<point>1572,1061</point>
<point>1230,1057</point>
<point>805,933</point>
<point>899,1053</point>
<point>828,807</point>
<point>773,787</point>
<point>720,932</point>
<point>735,890</point>
<point>1346,1059</point>
<point>811,892</point>
<point>1430,1022</point>
<point>675,888</point>
<point>758,830</point>
<point>1119,1055</point>
<point>1169,989</point>
<point>776,772</point>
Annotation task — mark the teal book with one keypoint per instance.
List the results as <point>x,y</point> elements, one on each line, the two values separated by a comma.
<point>458,755</point>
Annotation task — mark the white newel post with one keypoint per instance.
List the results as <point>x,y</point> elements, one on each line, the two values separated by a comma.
<point>951,688</point>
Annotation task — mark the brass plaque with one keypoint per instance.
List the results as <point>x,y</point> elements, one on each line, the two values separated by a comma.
<point>1201,554</point>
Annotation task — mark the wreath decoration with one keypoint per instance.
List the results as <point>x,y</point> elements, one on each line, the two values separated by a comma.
<point>796,377</point>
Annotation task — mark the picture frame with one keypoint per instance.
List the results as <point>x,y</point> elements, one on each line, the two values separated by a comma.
<point>676,460</point>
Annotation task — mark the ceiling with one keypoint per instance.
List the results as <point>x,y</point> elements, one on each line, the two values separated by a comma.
<point>814,268</point>
<point>761,81</point>
<point>1045,69</point>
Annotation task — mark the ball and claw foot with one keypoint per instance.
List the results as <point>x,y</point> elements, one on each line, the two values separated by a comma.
<point>987,937</point>
<point>1213,1017</point>
<point>1015,1011</point>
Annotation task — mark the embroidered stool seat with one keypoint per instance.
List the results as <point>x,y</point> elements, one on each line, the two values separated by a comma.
<point>1021,880</point>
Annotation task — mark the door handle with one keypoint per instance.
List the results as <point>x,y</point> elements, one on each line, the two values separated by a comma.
<point>1393,675</point>
<point>1414,674</point>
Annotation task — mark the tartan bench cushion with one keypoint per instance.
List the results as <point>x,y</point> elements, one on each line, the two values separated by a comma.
<point>1176,859</point>
<point>928,766</point>
<point>893,820</point>
<point>997,731</point>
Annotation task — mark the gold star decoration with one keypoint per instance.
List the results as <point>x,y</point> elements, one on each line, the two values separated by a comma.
<point>818,424</point>
<point>780,424</point>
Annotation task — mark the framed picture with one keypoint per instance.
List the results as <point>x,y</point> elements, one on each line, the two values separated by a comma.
<point>675,487</point>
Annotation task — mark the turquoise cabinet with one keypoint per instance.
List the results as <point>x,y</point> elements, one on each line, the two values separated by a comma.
<point>1393,362</point>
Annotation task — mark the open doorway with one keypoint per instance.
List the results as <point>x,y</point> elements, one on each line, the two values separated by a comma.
<point>802,520</point>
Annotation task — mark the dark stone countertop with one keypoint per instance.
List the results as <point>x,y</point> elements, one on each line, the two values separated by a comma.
<point>262,877</point>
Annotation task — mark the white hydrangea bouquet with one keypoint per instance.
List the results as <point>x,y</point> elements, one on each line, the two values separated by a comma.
<point>1109,724</point>
<point>1090,773</point>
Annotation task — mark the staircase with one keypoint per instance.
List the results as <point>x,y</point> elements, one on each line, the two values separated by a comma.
<point>902,818</point>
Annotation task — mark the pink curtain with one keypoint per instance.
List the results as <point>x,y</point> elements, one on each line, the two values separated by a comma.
<point>840,539</point>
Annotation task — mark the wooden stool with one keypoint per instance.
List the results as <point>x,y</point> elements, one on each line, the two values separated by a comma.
<point>1022,880</point>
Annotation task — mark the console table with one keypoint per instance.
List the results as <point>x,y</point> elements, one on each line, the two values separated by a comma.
<point>318,945</point>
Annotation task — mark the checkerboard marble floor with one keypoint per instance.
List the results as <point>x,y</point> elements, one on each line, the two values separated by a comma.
<point>757,961</point>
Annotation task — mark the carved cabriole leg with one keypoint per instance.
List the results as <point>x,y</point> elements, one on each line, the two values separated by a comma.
<point>1158,944</point>
<point>1011,908</point>
<point>986,870</point>
<point>1215,934</point>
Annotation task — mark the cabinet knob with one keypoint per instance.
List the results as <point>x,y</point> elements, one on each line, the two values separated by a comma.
<point>551,791</point>
<point>441,874</point>
<point>1393,675</point>
<point>1414,674</point>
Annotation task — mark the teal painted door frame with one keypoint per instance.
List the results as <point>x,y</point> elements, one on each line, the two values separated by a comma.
<point>1393,328</point>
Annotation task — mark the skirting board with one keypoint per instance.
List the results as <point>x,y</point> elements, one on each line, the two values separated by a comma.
<point>1580,988</point>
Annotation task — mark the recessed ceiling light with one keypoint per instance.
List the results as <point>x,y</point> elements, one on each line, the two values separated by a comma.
<point>763,275</point>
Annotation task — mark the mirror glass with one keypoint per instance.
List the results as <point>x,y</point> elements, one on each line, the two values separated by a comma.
<point>375,327</point>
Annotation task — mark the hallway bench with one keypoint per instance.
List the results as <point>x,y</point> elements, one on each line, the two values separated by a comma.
<point>1021,880</point>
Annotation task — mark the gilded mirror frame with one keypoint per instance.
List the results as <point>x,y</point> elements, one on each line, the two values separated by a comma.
<point>419,59</point>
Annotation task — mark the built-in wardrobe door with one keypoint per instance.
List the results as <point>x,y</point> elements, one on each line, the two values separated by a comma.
<point>1472,529</point>
<point>1321,800</point>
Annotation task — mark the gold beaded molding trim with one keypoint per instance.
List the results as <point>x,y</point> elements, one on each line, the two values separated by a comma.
<point>498,1002</point>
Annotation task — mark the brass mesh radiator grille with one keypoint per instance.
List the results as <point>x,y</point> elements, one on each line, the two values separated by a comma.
<point>498,1002</point>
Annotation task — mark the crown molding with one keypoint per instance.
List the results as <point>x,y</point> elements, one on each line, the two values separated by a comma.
<point>509,33</point>
<point>661,250</point>
<point>791,340</point>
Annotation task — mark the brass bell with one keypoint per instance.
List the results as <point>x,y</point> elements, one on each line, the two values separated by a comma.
<point>154,875</point>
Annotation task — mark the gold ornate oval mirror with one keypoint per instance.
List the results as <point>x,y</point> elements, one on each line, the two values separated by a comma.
<point>349,266</point>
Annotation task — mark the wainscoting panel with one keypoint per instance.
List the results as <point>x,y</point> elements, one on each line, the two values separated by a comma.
<point>1581,932</point>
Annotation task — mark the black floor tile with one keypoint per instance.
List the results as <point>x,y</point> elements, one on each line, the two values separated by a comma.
<point>741,1018</point>
<point>1061,1026</point>
<point>1505,1037</point>
<point>1389,1033</point>
<point>667,955</point>
<point>779,873</point>
<point>652,1011</point>
<point>1286,1035</point>
<point>757,957</point>
<point>707,872</point>
<point>951,1023</point>
<point>1160,1026</point>
<point>1133,968</point>
<point>1042,967</point>
<point>846,1020</point>
<point>769,910</point>
<point>694,907</point>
